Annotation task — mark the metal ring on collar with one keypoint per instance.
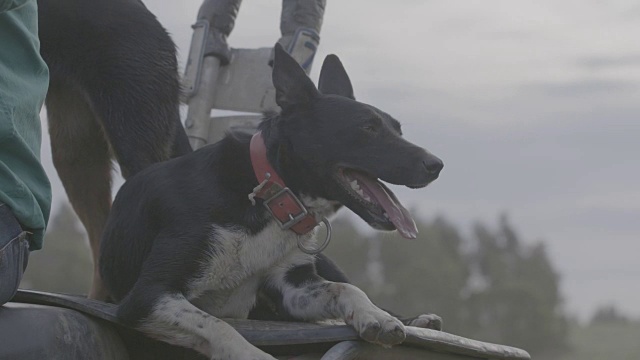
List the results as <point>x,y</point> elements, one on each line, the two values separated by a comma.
<point>319,249</point>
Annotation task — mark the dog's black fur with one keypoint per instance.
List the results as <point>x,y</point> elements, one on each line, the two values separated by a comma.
<point>114,91</point>
<point>183,232</point>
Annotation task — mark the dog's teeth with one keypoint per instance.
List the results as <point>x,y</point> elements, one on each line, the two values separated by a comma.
<point>355,185</point>
<point>360,192</point>
<point>386,215</point>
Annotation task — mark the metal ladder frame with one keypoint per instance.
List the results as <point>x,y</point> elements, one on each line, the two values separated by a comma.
<point>224,78</point>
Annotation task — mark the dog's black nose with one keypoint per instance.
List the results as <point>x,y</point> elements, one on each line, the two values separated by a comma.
<point>433,165</point>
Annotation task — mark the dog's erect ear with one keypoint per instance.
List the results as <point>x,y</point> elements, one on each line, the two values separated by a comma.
<point>334,79</point>
<point>293,86</point>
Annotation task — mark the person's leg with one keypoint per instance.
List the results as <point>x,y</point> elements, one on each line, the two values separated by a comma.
<point>14,253</point>
<point>24,187</point>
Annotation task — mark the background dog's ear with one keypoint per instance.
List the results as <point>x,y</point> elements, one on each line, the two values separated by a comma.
<point>334,79</point>
<point>293,86</point>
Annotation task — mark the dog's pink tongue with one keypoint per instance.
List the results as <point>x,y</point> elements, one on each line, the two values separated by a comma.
<point>399,216</point>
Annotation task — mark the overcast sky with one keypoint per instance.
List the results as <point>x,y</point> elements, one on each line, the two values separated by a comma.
<point>533,106</point>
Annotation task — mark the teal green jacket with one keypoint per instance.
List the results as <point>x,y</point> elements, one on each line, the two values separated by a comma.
<point>24,79</point>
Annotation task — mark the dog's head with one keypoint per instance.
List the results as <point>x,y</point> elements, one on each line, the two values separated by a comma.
<point>334,147</point>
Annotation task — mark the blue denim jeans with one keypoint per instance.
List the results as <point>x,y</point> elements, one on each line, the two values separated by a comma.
<point>14,253</point>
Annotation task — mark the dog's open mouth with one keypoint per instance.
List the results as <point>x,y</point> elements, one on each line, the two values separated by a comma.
<point>379,201</point>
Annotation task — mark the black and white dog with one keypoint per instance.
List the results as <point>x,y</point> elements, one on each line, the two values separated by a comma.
<point>184,245</point>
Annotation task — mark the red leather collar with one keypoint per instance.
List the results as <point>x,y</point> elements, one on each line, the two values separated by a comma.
<point>283,205</point>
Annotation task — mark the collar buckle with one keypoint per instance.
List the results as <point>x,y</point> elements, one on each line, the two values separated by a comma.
<point>286,209</point>
<point>282,204</point>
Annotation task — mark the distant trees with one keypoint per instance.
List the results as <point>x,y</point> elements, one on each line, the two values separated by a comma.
<point>517,300</point>
<point>610,334</point>
<point>609,314</point>
<point>488,285</point>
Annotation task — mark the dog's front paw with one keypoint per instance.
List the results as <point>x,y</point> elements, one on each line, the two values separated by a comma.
<point>378,327</point>
<point>426,321</point>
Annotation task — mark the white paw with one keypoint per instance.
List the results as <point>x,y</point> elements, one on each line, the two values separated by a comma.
<point>427,321</point>
<point>378,327</point>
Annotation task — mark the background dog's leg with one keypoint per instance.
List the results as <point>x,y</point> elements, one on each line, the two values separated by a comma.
<point>140,112</point>
<point>81,157</point>
<point>140,134</point>
<point>171,318</point>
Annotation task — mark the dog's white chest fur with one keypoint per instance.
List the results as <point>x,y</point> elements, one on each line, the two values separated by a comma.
<point>238,264</point>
